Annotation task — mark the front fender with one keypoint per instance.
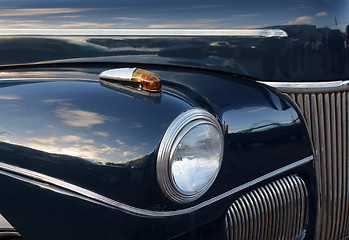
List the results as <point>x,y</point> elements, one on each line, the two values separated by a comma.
<point>104,143</point>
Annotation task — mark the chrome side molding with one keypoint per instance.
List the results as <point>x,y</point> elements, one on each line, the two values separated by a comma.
<point>309,87</point>
<point>33,177</point>
<point>146,32</point>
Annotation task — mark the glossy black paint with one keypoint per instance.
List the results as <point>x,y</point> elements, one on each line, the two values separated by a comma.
<point>316,48</point>
<point>106,141</point>
<point>47,214</point>
<point>87,135</point>
<point>294,58</point>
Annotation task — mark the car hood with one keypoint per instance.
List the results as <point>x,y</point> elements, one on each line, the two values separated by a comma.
<point>63,122</point>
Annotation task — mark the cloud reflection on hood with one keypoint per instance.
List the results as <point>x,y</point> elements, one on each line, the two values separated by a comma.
<point>57,121</point>
<point>80,118</point>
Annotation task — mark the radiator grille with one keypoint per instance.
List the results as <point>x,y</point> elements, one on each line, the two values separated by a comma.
<point>274,211</point>
<point>327,115</point>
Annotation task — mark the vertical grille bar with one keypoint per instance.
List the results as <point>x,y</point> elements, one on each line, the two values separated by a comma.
<point>345,100</point>
<point>275,211</point>
<point>326,115</point>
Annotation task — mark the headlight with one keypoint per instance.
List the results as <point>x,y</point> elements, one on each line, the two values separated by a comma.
<point>190,156</point>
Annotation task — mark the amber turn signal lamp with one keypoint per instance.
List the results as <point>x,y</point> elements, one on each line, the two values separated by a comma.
<point>134,78</point>
<point>149,81</point>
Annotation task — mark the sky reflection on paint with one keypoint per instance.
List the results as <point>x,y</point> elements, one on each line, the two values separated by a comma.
<point>67,121</point>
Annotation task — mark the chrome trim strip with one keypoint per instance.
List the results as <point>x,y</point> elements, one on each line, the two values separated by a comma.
<point>4,224</point>
<point>47,79</point>
<point>309,87</point>
<point>112,203</point>
<point>145,32</point>
<point>51,187</point>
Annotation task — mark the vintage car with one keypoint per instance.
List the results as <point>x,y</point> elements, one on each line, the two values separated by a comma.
<point>174,120</point>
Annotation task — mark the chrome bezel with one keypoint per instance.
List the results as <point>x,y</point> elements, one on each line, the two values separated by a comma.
<point>118,74</point>
<point>185,122</point>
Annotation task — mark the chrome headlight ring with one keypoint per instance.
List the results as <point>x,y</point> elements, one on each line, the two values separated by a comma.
<point>190,156</point>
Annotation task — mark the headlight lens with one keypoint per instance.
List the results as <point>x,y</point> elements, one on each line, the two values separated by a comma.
<point>190,156</point>
<point>196,158</point>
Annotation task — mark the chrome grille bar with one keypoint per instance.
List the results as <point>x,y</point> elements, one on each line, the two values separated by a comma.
<point>275,211</point>
<point>324,106</point>
<point>326,115</point>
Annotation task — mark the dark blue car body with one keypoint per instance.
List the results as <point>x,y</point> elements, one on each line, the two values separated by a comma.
<point>79,157</point>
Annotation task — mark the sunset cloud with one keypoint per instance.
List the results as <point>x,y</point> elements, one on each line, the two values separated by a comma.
<point>38,11</point>
<point>321,14</point>
<point>75,139</point>
<point>9,97</point>
<point>178,26</point>
<point>301,20</point>
<point>119,142</point>
<point>102,134</point>
<point>126,18</point>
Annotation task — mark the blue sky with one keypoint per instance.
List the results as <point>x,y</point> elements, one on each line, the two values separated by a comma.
<point>174,14</point>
